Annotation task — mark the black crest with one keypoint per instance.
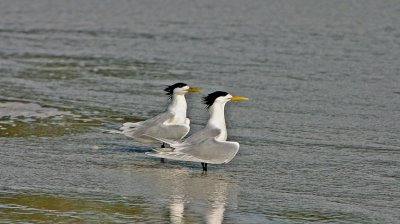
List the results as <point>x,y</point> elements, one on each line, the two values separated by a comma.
<point>210,98</point>
<point>170,89</point>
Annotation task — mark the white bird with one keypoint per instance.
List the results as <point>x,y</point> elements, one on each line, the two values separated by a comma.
<point>208,145</point>
<point>172,124</point>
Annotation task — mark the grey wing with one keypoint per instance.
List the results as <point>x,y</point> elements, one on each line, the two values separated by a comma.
<point>202,135</point>
<point>209,151</point>
<point>168,131</point>
<point>139,128</point>
<point>212,151</point>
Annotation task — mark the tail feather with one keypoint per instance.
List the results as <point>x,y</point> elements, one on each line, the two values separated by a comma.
<point>131,124</point>
<point>105,131</point>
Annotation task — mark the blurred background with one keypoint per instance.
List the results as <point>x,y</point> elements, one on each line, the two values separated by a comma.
<point>319,136</point>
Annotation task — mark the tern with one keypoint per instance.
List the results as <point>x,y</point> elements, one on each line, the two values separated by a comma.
<point>171,124</point>
<point>208,145</point>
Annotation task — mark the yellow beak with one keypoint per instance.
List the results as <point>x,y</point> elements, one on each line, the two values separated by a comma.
<point>194,89</point>
<point>239,98</point>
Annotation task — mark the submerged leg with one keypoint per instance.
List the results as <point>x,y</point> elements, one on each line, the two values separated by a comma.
<point>162,159</point>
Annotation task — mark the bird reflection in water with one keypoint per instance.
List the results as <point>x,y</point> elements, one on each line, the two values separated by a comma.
<point>216,209</point>
<point>176,207</point>
<point>201,196</point>
<point>184,196</point>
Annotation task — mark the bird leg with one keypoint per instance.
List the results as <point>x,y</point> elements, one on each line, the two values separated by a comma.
<point>162,159</point>
<point>204,165</point>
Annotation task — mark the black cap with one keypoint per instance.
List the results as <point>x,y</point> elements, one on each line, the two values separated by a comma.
<point>210,98</point>
<point>170,89</point>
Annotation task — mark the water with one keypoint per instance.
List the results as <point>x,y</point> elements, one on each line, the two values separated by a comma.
<point>319,137</point>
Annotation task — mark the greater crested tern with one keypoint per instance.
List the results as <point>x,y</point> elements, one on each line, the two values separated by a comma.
<point>208,145</point>
<point>172,124</point>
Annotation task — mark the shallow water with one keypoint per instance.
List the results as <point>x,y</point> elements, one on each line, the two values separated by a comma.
<point>319,137</point>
